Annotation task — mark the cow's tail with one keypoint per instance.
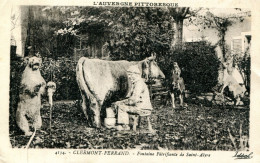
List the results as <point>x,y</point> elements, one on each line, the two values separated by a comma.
<point>86,94</point>
<point>81,79</point>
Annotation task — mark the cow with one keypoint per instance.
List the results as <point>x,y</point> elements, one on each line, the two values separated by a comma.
<point>177,86</point>
<point>103,82</point>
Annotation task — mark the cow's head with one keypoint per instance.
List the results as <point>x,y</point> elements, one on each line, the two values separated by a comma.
<point>150,69</point>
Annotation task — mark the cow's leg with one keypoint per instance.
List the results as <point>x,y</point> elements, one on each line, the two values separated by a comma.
<point>84,105</point>
<point>173,100</point>
<point>222,90</point>
<point>95,108</point>
<point>139,122</point>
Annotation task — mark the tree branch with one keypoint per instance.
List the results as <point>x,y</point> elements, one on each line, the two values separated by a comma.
<point>185,11</point>
<point>216,21</point>
<point>192,13</point>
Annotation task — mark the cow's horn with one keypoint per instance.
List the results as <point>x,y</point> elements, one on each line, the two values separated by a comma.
<point>153,56</point>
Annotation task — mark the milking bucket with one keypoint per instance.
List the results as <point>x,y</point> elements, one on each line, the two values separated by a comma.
<point>110,122</point>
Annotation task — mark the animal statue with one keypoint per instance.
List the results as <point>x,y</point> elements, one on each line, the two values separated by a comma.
<point>237,90</point>
<point>103,82</point>
<point>31,88</point>
<point>177,87</point>
<point>51,88</point>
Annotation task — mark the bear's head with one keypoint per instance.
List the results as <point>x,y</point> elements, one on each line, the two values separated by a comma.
<point>33,62</point>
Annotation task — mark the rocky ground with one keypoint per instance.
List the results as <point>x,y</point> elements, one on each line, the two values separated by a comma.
<point>196,127</point>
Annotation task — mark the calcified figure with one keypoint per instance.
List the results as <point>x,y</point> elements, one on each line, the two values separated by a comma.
<point>31,88</point>
<point>238,90</point>
<point>103,81</point>
<point>51,88</point>
<point>177,86</point>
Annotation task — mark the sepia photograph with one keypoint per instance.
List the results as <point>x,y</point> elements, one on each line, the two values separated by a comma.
<point>112,78</point>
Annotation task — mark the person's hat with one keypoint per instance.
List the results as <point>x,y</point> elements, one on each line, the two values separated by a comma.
<point>133,69</point>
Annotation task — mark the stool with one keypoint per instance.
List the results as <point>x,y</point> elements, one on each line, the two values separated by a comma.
<point>136,120</point>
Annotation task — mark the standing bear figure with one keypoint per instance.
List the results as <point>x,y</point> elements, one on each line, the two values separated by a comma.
<point>31,88</point>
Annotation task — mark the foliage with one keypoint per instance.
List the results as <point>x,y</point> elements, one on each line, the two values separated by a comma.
<point>244,65</point>
<point>63,73</point>
<point>130,33</point>
<point>140,31</point>
<point>41,36</point>
<point>199,65</point>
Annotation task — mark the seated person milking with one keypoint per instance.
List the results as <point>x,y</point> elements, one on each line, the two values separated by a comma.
<point>137,101</point>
